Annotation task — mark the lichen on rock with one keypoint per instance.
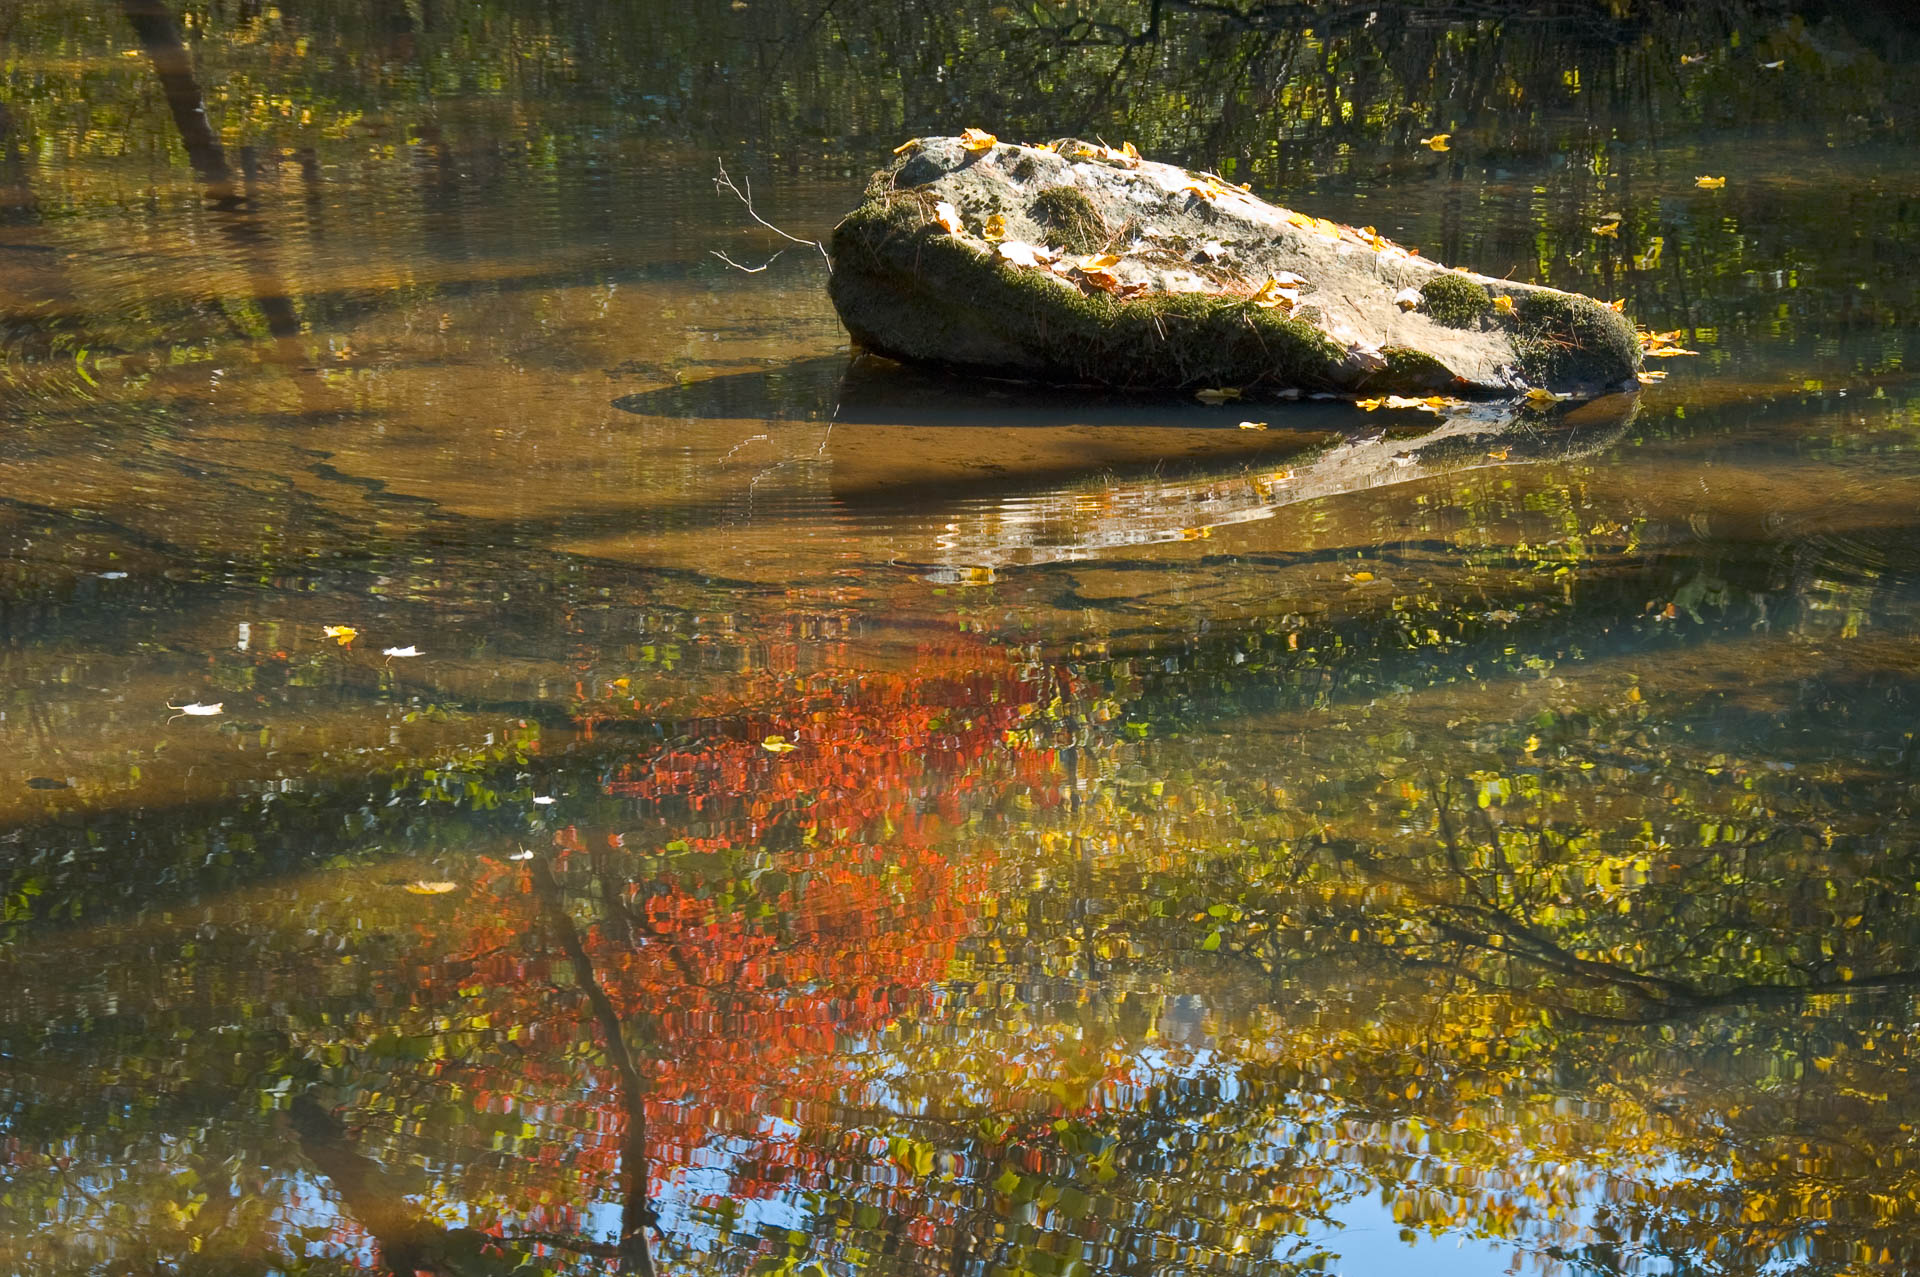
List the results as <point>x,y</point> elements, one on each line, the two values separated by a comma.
<point>1073,263</point>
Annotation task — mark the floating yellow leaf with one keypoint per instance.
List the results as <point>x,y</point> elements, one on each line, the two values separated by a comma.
<point>1541,395</point>
<point>977,139</point>
<point>1217,396</point>
<point>1369,405</point>
<point>1667,352</point>
<point>1648,376</point>
<point>778,745</point>
<point>1709,183</point>
<point>1608,230</point>
<point>1359,578</point>
<point>1773,66</point>
<point>949,218</point>
<point>1692,59</point>
<point>996,227</point>
<point>1498,454</point>
<point>425,888</point>
<point>1253,425</point>
<point>1533,743</point>
<point>906,146</point>
<point>1438,142</point>
<point>1503,304</point>
<point>341,634</point>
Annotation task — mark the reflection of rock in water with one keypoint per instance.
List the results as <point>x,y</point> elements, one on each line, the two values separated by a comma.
<point>961,478</point>
<point>1088,520</point>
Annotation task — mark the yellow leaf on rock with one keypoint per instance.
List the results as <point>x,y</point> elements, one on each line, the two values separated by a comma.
<point>977,139</point>
<point>341,634</point>
<point>1128,149</point>
<point>1217,396</point>
<point>1709,183</point>
<point>1275,293</point>
<point>906,146</point>
<point>996,227</point>
<point>778,745</point>
<point>1098,261</point>
<point>949,218</point>
<point>1503,304</point>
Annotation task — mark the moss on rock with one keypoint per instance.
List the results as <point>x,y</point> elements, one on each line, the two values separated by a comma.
<point>1563,339</point>
<point>1071,216</point>
<point>901,291</point>
<point>1454,301</point>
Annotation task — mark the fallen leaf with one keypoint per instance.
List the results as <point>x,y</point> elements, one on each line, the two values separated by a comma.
<point>778,745</point>
<point>995,228</point>
<point>1692,59</point>
<point>1438,142</point>
<point>1274,293</point>
<point>977,139</point>
<point>400,651</point>
<point>1021,253</point>
<point>1098,261</point>
<point>1369,405</point>
<point>1503,304</point>
<point>196,709</point>
<point>1129,150</point>
<point>1408,299</point>
<point>1217,396</point>
<point>949,218</point>
<point>1359,578</point>
<point>425,888</point>
<point>1618,305</point>
<point>1709,183</point>
<point>1541,395</point>
<point>522,854</point>
<point>906,146</point>
<point>1649,375</point>
<point>1608,230</point>
<point>1497,454</point>
<point>1253,425</point>
<point>341,634</point>
<point>1773,66</point>
<point>543,800</point>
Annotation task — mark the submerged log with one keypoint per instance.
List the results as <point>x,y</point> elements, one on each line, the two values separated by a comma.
<point>1076,264</point>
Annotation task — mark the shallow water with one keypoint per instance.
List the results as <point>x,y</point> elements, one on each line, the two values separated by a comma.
<point>879,824</point>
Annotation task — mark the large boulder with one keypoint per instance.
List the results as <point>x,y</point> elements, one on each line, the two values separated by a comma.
<point>1077,264</point>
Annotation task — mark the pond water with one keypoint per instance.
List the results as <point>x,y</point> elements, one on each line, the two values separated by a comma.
<point>512,738</point>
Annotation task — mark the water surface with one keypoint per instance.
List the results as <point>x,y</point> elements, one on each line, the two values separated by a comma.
<point>816,818</point>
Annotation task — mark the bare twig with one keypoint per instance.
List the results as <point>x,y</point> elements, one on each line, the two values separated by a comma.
<point>751,270</point>
<point>725,183</point>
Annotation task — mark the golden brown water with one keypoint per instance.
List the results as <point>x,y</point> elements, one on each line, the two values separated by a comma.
<point>846,821</point>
